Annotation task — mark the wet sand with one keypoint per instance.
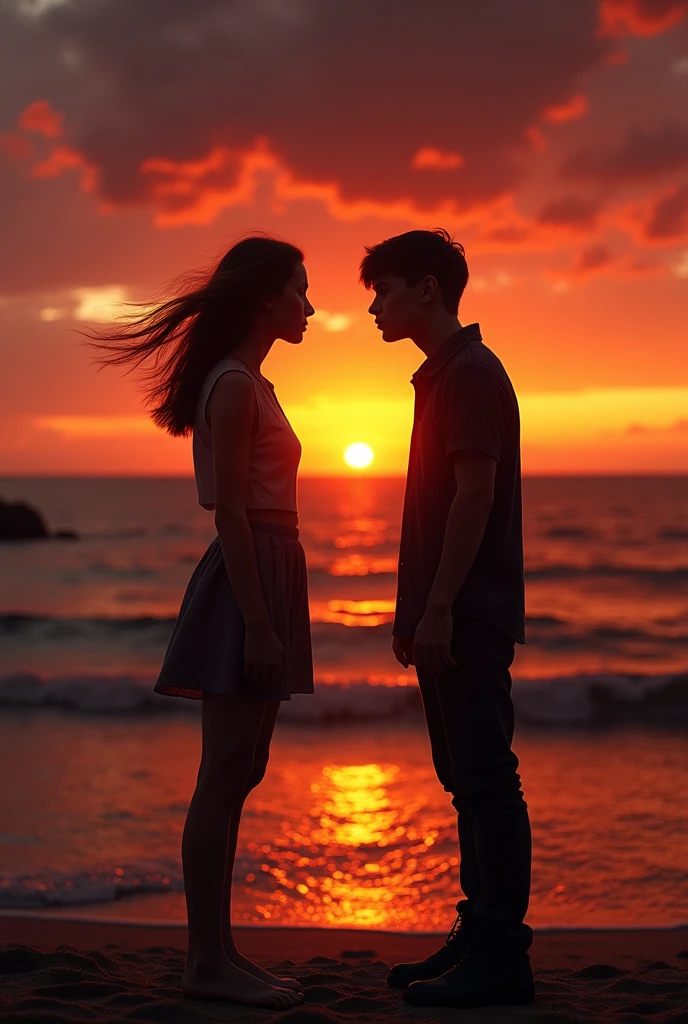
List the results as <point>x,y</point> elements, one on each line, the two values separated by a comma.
<point>68,970</point>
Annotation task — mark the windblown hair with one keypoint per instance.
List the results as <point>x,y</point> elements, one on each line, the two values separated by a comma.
<point>418,254</point>
<point>174,345</point>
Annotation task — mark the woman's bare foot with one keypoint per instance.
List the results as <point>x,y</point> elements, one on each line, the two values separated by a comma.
<point>239,960</point>
<point>224,980</point>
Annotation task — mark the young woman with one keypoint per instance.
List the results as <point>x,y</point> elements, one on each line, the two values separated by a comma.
<point>241,642</point>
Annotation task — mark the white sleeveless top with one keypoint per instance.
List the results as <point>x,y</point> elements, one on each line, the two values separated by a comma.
<point>275,448</point>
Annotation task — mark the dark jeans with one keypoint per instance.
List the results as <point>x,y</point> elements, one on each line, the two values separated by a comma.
<point>470,719</point>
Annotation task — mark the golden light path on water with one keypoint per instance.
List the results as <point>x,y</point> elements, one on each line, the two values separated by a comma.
<point>363,852</point>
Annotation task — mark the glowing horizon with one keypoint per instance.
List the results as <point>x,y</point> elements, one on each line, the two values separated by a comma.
<point>596,430</point>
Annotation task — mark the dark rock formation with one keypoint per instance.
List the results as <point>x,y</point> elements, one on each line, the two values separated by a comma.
<point>19,521</point>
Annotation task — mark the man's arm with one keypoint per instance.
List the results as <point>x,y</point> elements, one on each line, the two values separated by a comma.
<point>474,471</point>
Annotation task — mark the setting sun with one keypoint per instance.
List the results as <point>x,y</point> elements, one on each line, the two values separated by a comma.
<point>358,455</point>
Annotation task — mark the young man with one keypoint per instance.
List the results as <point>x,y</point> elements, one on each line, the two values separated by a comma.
<point>460,611</point>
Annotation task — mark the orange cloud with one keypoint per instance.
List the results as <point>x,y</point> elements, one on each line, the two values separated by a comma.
<point>537,140</point>
<point>15,146</point>
<point>429,158</point>
<point>618,57</point>
<point>40,117</point>
<point>196,192</point>
<point>98,426</point>
<point>640,17</point>
<point>503,228</point>
<point>574,108</point>
<point>64,158</point>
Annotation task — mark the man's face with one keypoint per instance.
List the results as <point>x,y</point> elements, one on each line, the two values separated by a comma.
<point>397,307</point>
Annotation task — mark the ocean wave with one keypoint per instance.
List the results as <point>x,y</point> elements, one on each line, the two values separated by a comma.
<point>55,627</point>
<point>570,533</point>
<point>601,699</point>
<point>659,575</point>
<point>355,638</point>
<point>642,573</point>
<point>20,623</point>
<point>103,570</point>
<point>103,885</point>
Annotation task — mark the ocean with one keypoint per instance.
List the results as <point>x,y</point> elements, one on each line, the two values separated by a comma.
<point>350,827</point>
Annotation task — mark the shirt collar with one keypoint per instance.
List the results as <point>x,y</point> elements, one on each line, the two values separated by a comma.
<point>439,359</point>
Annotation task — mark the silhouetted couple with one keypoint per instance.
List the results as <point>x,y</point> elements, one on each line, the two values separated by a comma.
<point>242,643</point>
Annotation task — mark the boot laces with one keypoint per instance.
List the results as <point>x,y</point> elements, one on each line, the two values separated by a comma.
<point>455,929</point>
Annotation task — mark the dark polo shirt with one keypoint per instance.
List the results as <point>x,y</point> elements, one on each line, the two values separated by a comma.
<point>464,401</point>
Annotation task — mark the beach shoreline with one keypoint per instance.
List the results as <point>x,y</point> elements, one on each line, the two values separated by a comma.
<point>552,947</point>
<point>65,969</point>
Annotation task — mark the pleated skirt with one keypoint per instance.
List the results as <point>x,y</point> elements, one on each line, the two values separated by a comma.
<point>206,650</point>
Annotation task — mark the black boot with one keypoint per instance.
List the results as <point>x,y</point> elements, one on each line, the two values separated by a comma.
<point>487,975</point>
<point>403,975</point>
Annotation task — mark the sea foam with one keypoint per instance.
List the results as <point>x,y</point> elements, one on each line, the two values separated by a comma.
<point>563,700</point>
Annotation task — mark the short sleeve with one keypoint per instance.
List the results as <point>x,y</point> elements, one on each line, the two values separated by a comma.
<point>474,412</point>
<point>209,387</point>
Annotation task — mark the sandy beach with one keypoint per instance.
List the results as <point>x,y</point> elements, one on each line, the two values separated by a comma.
<point>68,970</point>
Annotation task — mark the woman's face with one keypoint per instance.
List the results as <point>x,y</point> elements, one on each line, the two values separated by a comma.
<point>289,311</point>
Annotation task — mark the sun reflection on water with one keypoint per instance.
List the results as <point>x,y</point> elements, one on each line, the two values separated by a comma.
<point>358,613</point>
<point>363,857</point>
<point>355,809</point>
<point>358,565</point>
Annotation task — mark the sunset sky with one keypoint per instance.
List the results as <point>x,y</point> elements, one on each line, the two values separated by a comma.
<point>138,140</point>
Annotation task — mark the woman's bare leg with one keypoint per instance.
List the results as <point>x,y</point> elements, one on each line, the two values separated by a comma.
<point>260,762</point>
<point>231,727</point>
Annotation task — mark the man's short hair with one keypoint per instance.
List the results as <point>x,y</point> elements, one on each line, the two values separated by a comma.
<point>418,254</point>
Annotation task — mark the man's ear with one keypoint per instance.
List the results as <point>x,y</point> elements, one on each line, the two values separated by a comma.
<point>429,288</point>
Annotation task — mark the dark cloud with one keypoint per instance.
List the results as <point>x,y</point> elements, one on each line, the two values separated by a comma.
<point>669,216</point>
<point>644,154</point>
<point>344,94</point>
<point>598,259</point>
<point>570,211</point>
<point>592,259</point>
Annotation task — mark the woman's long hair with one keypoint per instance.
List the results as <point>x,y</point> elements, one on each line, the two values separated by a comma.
<point>174,345</point>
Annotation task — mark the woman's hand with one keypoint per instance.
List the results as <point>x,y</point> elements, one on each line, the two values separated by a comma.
<point>263,655</point>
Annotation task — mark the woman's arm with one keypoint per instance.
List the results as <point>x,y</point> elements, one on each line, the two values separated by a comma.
<point>231,413</point>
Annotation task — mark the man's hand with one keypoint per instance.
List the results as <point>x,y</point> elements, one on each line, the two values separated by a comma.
<point>402,646</point>
<point>432,642</point>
